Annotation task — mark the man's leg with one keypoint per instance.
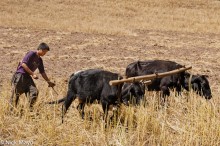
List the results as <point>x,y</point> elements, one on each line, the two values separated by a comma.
<point>17,89</point>
<point>33,94</point>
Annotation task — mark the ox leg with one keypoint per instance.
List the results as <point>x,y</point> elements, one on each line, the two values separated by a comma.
<point>80,108</point>
<point>165,92</point>
<point>69,99</point>
<point>105,107</point>
<point>178,90</point>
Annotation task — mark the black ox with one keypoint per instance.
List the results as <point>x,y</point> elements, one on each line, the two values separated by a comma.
<point>199,83</point>
<point>93,84</point>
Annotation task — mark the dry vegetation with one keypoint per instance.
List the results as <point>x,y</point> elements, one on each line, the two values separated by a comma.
<point>110,35</point>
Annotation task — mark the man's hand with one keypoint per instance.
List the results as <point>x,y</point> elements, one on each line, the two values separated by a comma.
<point>51,84</point>
<point>35,76</point>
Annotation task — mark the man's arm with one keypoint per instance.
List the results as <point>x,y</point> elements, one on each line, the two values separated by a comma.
<point>44,75</point>
<point>27,69</point>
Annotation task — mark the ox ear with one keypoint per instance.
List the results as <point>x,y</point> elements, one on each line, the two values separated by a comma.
<point>195,79</point>
<point>205,76</point>
<point>187,76</point>
<point>131,89</point>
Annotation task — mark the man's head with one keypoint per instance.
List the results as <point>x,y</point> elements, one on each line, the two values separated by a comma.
<point>42,49</point>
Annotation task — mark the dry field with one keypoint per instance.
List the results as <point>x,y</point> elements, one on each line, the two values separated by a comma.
<point>110,35</point>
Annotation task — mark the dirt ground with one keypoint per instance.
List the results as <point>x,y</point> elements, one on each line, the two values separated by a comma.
<point>71,52</point>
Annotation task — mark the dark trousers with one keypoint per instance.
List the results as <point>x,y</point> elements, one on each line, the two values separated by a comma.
<point>23,83</point>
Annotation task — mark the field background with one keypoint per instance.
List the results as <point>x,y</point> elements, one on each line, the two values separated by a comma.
<point>109,35</point>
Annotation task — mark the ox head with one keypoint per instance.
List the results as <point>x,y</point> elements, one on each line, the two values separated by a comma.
<point>200,84</point>
<point>132,93</point>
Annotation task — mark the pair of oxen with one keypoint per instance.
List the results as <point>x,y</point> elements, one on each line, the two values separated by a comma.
<point>93,84</point>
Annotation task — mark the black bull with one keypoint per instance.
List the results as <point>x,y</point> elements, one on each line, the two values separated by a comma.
<point>199,83</point>
<point>93,84</point>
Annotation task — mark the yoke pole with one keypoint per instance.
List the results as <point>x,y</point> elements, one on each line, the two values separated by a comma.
<point>149,77</point>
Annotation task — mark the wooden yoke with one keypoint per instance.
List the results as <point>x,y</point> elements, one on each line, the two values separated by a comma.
<point>149,77</point>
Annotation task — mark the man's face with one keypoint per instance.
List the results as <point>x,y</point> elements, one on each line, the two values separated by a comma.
<point>42,52</point>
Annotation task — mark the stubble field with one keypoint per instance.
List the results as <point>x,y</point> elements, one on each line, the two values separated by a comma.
<point>110,35</point>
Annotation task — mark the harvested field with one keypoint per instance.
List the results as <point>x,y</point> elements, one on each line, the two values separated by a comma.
<point>110,35</point>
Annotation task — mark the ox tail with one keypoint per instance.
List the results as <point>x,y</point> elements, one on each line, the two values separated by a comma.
<point>57,101</point>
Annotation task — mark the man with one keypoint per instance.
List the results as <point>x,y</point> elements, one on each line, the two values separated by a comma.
<point>22,81</point>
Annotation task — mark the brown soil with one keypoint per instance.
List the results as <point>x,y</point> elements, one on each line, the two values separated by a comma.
<point>72,51</point>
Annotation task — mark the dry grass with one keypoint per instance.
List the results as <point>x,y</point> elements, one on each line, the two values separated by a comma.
<point>112,17</point>
<point>192,122</point>
<point>189,25</point>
